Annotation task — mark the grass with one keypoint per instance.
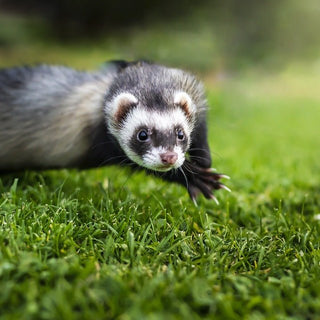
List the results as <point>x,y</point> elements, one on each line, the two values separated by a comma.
<point>107,243</point>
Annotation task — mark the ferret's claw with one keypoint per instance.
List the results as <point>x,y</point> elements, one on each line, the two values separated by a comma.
<point>193,193</point>
<point>214,199</point>
<point>194,202</point>
<point>222,186</point>
<point>224,176</point>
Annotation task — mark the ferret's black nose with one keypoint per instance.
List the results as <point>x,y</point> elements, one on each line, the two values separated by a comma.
<point>169,157</point>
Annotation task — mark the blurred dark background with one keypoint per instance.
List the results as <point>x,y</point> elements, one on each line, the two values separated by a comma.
<point>200,35</point>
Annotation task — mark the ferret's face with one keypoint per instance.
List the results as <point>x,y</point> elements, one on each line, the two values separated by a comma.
<point>154,138</point>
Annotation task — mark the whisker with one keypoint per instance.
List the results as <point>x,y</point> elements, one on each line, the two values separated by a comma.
<point>104,162</point>
<point>124,161</point>
<point>185,177</point>
<point>101,144</point>
<point>198,149</point>
<point>197,157</point>
<point>126,181</point>
<point>188,168</point>
<point>206,151</point>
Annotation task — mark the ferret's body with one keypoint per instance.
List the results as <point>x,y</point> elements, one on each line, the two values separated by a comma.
<point>150,115</point>
<point>50,117</point>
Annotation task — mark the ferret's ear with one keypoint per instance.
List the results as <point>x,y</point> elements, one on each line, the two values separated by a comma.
<point>121,105</point>
<point>183,101</point>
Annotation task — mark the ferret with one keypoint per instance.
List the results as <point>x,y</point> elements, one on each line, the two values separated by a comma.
<point>130,113</point>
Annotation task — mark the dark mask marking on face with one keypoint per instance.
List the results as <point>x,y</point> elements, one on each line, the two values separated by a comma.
<point>166,139</point>
<point>139,147</point>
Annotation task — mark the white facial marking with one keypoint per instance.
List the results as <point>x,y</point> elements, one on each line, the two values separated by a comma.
<point>122,99</point>
<point>182,98</point>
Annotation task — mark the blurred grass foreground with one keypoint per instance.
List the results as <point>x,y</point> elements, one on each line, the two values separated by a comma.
<point>109,244</point>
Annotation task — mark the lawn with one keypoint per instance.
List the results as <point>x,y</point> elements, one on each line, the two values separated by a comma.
<point>108,243</point>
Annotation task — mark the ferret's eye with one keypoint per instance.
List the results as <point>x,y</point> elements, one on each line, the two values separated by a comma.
<point>180,134</point>
<point>143,135</point>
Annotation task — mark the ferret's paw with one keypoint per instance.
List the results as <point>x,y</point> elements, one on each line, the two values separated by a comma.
<point>204,181</point>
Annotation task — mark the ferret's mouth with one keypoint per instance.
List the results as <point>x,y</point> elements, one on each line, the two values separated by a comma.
<point>164,167</point>
<point>163,162</point>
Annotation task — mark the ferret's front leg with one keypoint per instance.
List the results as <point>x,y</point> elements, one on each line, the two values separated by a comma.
<point>196,179</point>
<point>197,169</point>
<point>199,151</point>
<point>202,180</point>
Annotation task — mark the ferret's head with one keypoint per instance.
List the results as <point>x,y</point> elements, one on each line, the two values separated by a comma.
<point>151,116</point>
